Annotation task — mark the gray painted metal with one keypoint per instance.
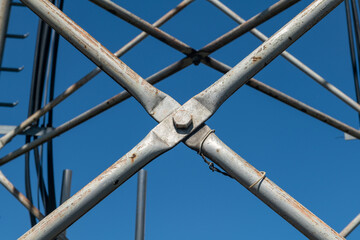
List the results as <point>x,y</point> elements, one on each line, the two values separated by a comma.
<point>146,94</point>
<point>267,191</point>
<point>350,132</point>
<point>296,62</point>
<point>140,205</point>
<point>70,90</point>
<point>165,136</point>
<point>32,131</point>
<point>351,226</point>
<point>5,6</point>
<point>66,185</point>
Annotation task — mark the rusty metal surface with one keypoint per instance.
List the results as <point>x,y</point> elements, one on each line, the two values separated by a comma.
<point>70,90</point>
<point>165,136</point>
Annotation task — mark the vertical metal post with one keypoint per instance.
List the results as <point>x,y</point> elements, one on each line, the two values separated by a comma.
<point>140,205</point>
<point>5,6</point>
<point>66,185</point>
<point>65,189</point>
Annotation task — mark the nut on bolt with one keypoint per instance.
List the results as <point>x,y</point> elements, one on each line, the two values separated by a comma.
<point>182,119</point>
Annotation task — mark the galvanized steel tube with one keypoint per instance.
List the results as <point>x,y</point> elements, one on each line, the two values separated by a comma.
<point>293,60</point>
<point>140,205</point>
<point>274,93</point>
<point>351,226</point>
<point>147,95</point>
<point>267,191</point>
<point>70,90</point>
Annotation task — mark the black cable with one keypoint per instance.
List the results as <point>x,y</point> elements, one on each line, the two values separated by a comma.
<point>50,163</point>
<point>357,37</point>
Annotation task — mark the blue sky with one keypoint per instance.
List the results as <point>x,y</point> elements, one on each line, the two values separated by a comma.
<point>185,200</point>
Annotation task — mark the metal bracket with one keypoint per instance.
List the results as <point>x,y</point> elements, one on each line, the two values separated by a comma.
<point>31,131</point>
<point>8,104</point>
<point>7,69</point>
<point>18,36</point>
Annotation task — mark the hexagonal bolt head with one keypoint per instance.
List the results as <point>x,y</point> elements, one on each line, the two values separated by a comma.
<point>182,119</point>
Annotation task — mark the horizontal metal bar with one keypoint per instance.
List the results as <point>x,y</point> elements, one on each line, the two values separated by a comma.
<point>144,26</point>
<point>9,69</point>
<point>267,191</point>
<point>351,226</point>
<point>35,116</point>
<point>288,100</point>
<point>32,131</point>
<point>20,197</point>
<point>293,60</point>
<point>146,94</point>
<point>8,104</point>
<point>19,36</point>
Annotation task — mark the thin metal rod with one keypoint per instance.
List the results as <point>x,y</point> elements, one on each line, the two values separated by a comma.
<point>122,96</point>
<point>146,94</point>
<point>5,6</point>
<point>20,197</point>
<point>70,90</point>
<point>262,87</point>
<point>267,191</point>
<point>351,226</point>
<point>247,26</point>
<point>263,55</point>
<point>143,25</point>
<point>65,189</point>
<point>165,136</point>
<point>183,47</point>
<point>18,36</point>
<point>297,63</point>
<point>8,104</point>
<point>66,185</point>
<point>140,205</point>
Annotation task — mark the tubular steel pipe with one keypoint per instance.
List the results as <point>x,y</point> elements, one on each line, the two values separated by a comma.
<point>20,197</point>
<point>65,186</point>
<point>145,26</point>
<point>262,87</point>
<point>72,123</point>
<point>140,205</point>
<point>351,226</point>
<point>297,63</point>
<point>5,6</point>
<point>267,191</point>
<point>146,94</point>
<point>247,26</point>
<point>184,48</point>
<point>93,112</point>
<point>165,136</point>
<point>34,117</point>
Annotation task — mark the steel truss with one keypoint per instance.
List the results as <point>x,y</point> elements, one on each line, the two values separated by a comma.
<point>182,123</point>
